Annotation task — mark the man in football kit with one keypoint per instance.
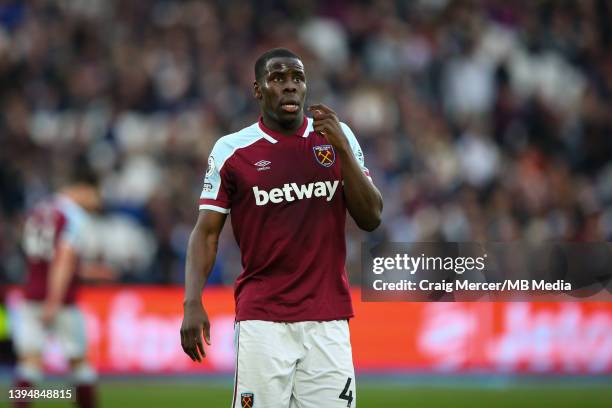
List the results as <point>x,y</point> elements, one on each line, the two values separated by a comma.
<point>51,241</point>
<point>288,181</point>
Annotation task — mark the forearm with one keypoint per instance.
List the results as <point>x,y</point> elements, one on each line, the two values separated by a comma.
<point>201,254</point>
<point>59,279</point>
<point>363,200</point>
<point>60,274</point>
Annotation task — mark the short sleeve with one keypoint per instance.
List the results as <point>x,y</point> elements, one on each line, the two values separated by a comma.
<point>357,152</point>
<point>74,227</point>
<point>217,186</point>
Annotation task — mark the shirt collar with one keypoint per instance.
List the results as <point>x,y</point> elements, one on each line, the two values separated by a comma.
<point>273,136</point>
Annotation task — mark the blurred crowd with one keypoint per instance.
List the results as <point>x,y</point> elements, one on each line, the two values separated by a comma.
<point>480,120</point>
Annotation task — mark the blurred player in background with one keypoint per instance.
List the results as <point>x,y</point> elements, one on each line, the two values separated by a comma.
<point>288,181</point>
<point>52,235</point>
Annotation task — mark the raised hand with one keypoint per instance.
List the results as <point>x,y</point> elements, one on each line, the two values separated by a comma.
<point>327,124</point>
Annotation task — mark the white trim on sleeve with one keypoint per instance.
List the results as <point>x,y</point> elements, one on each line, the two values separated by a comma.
<point>214,208</point>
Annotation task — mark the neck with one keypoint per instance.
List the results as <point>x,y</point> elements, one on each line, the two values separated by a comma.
<point>74,193</point>
<point>287,128</point>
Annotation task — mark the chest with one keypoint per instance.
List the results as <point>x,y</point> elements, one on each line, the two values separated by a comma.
<point>298,161</point>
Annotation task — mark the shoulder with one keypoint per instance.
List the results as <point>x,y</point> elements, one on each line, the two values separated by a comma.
<point>348,132</point>
<point>74,215</point>
<point>352,139</point>
<point>227,145</point>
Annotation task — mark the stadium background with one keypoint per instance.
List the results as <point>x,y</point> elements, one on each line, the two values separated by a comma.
<point>480,121</point>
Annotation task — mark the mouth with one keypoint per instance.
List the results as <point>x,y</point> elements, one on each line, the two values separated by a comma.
<point>290,107</point>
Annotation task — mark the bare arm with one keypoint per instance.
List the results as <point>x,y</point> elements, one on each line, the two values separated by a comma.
<point>60,274</point>
<point>363,200</point>
<point>201,254</point>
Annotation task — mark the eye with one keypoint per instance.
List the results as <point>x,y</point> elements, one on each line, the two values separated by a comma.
<point>277,79</point>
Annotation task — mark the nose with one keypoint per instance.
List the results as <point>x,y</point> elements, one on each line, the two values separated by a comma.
<point>289,86</point>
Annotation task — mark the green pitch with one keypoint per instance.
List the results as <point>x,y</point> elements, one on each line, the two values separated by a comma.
<point>174,394</point>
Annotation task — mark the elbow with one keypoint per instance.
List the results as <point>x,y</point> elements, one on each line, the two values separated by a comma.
<point>370,219</point>
<point>370,226</point>
<point>372,222</point>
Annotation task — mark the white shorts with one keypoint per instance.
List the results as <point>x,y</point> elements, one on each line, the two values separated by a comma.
<point>293,365</point>
<point>68,328</point>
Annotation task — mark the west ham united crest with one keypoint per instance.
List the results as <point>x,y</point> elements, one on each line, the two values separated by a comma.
<point>325,155</point>
<point>247,399</point>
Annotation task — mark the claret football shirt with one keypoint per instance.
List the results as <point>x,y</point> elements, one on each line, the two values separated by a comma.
<point>52,221</point>
<point>288,211</point>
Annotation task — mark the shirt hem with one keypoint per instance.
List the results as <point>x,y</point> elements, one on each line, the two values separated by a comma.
<point>296,320</point>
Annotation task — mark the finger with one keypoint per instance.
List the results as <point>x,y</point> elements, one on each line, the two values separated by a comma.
<point>182,340</point>
<point>189,344</point>
<point>200,347</point>
<point>318,116</point>
<point>185,345</point>
<point>321,107</point>
<point>188,352</point>
<point>195,338</point>
<point>191,352</point>
<point>321,112</point>
<point>324,127</point>
<point>182,337</point>
<point>327,122</point>
<point>207,333</point>
<point>197,355</point>
<point>320,129</point>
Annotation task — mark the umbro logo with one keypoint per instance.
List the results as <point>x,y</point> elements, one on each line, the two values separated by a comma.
<point>263,165</point>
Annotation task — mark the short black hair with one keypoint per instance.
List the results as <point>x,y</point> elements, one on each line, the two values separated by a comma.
<point>82,173</point>
<point>260,64</point>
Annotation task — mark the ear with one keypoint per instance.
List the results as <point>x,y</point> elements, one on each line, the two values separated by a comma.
<point>257,91</point>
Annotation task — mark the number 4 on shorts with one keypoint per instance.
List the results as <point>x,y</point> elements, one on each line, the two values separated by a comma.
<point>348,397</point>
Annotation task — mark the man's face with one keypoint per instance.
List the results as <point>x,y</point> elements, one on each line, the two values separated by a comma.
<point>282,89</point>
<point>89,198</point>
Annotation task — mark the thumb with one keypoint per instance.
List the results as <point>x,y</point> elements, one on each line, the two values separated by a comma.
<point>207,334</point>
